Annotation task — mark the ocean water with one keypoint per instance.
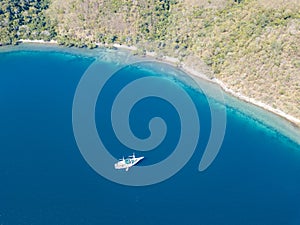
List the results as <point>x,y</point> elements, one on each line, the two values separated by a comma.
<point>254,180</point>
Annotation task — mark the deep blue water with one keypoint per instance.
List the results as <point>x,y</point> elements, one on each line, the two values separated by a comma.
<point>254,180</point>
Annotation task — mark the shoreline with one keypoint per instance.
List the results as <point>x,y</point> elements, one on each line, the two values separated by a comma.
<point>192,72</point>
<point>38,41</point>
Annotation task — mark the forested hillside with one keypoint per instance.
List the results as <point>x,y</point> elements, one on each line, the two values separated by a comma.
<point>252,46</point>
<point>22,19</point>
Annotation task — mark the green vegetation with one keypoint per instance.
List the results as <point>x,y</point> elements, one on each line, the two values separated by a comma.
<point>252,46</point>
<point>24,19</point>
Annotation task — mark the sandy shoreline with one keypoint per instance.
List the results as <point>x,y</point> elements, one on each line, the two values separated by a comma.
<point>192,72</point>
<point>38,41</point>
<point>253,101</point>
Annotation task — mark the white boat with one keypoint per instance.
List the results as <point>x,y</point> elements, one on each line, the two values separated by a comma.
<point>128,162</point>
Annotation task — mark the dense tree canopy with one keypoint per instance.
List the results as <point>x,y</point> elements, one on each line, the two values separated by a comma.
<point>24,19</point>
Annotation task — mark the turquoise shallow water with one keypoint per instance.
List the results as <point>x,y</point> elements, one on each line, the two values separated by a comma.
<point>44,179</point>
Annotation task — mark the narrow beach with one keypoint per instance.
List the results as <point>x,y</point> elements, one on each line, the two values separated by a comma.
<point>175,62</point>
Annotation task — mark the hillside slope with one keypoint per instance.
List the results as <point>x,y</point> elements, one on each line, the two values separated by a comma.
<point>252,46</point>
